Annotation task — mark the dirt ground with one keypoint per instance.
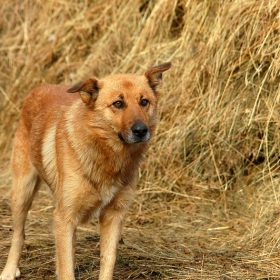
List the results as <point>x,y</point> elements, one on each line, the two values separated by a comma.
<point>166,245</point>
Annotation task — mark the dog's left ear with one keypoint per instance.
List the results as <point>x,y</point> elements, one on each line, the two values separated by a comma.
<point>154,76</point>
<point>88,89</point>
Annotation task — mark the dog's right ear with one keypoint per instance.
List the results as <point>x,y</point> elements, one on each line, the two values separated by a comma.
<point>88,89</point>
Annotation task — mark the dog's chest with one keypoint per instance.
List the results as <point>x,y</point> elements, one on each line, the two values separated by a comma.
<point>106,194</point>
<point>90,203</point>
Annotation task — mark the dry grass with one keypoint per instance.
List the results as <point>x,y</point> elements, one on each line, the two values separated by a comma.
<point>208,201</point>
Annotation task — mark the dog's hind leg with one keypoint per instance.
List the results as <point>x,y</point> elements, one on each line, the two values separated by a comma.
<point>25,184</point>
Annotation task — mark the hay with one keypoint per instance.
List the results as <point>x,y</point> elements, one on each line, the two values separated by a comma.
<point>208,200</point>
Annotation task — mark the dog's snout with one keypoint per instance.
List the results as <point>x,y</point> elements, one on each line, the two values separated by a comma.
<point>139,130</point>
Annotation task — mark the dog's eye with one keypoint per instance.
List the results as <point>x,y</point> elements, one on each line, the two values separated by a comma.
<point>144,102</point>
<point>118,104</point>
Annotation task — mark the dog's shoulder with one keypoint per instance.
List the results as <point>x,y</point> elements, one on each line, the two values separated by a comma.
<point>49,93</point>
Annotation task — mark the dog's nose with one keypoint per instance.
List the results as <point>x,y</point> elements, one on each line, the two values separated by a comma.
<point>139,130</point>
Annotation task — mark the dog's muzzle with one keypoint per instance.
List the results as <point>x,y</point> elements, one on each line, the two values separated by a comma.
<point>139,132</point>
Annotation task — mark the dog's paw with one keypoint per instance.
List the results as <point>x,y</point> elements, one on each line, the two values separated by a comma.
<point>6,277</point>
<point>10,276</point>
<point>17,273</point>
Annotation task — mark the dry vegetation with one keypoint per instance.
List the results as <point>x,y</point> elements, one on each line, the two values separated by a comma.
<point>208,200</point>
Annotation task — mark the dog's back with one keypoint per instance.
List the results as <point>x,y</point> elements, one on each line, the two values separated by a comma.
<point>42,109</point>
<point>45,103</point>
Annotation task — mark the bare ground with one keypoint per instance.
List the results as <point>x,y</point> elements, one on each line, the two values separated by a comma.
<point>176,242</point>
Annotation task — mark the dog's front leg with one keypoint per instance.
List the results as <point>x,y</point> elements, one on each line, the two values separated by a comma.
<point>65,239</point>
<point>110,230</point>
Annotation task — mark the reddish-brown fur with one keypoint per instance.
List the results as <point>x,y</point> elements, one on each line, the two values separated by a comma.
<point>87,148</point>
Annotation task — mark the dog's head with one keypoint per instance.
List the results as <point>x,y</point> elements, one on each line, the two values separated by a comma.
<point>124,104</point>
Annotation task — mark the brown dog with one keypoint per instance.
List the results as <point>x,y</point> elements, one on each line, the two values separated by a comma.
<point>87,148</point>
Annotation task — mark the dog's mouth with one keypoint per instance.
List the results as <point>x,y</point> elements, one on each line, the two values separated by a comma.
<point>121,137</point>
<point>132,139</point>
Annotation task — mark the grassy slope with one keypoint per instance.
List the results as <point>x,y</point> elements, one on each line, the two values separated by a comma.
<point>208,202</point>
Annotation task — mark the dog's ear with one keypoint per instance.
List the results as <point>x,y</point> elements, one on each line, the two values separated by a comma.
<point>154,76</point>
<point>88,89</point>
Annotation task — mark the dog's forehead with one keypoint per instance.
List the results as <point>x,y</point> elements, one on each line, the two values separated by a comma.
<point>125,83</point>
